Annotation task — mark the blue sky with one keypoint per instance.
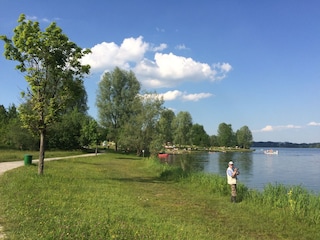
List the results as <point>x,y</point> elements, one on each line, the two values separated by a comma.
<point>253,63</point>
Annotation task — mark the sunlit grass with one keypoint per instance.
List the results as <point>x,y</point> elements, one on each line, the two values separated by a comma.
<point>9,155</point>
<point>114,196</point>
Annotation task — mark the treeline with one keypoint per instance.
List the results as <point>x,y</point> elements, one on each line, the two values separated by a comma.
<point>53,114</point>
<point>285,145</point>
<point>146,128</point>
<point>74,130</point>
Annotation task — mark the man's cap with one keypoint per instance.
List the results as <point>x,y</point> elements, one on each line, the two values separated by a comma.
<point>230,162</point>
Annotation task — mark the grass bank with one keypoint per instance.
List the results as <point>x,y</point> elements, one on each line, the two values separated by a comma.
<point>9,155</point>
<point>116,196</point>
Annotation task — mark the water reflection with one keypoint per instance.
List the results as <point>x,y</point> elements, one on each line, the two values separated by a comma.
<point>188,162</point>
<point>290,167</point>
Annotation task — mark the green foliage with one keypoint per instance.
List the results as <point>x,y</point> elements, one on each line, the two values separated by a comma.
<point>66,133</point>
<point>244,137</point>
<point>116,99</point>
<point>53,71</point>
<point>225,135</point>
<point>199,137</point>
<point>164,126</point>
<point>140,129</point>
<point>12,134</point>
<point>181,125</point>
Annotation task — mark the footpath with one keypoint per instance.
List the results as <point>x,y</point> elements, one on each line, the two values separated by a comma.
<point>6,166</point>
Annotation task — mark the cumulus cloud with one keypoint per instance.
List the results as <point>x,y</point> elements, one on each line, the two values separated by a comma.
<point>169,70</point>
<point>163,70</point>
<point>106,56</point>
<point>178,95</point>
<point>313,124</point>
<point>270,128</point>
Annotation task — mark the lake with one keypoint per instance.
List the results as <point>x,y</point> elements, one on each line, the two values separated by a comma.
<point>292,166</point>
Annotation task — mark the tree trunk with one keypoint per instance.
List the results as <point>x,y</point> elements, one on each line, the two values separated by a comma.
<point>41,152</point>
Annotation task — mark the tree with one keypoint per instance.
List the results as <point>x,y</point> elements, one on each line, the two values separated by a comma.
<point>11,132</point>
<point>164,126</point>
<point>181,127</point>
<point>91,133</point>
<point>117,95</point>
<point>199,137</point>
<point>66,133</point>
<point>244,137</point>
<point>214,141</point>
<point>225,135</point>
<point>53,70</point>
<point>140,129</point>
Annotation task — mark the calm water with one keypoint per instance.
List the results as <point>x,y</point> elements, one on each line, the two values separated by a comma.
<point>292,166</point>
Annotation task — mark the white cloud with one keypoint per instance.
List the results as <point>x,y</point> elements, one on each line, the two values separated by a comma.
<point>171,95</point>
<point>32,18</point>
<point>267,128</point>
<point>46,20</point>
<point>169,70</point>
<point>161,47</point>
<point>270,128</point>
<point>164,70</point>
<point>176,94</point>
<point>196,96</point>
<point>313,124</point>
<point>181,47</point>
<point>106,56</point>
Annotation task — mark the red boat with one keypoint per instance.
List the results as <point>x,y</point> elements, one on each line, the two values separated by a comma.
<point>163,155</point>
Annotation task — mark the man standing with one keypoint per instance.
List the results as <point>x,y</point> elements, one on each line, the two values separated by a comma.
<point>232,174</point>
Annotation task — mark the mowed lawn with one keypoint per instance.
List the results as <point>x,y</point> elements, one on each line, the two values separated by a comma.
<point>116,196</point>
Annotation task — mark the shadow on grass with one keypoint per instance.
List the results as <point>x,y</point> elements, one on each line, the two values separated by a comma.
<point>139,179</point>
<point>127,158</point>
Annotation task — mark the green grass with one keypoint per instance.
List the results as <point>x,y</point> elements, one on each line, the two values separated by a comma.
<point>114,196</point>
<point>17,155</point>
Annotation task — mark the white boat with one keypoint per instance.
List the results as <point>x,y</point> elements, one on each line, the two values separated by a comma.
<point>271,152</point>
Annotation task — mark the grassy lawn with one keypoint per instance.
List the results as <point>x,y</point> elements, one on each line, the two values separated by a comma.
<point>114,196</point>
<point>16,155</point>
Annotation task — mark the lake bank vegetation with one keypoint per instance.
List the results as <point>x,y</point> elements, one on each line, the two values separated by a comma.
<point>122,196</point>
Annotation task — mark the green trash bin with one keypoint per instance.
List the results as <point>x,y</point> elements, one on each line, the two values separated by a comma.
<point>27,159</point>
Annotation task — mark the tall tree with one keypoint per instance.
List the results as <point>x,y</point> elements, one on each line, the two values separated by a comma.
<point>182,127</point>
<point>66,133</point>
<point>199,137</point>
<point>116,98</point>
<point>140,129</point>
<point>164,126</point>
<point>91,133</point>
<point>225,135</point>
<point>53,70</point>
<point>244,137</point>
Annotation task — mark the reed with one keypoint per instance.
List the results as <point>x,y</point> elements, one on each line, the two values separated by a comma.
<point>295,200</point>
